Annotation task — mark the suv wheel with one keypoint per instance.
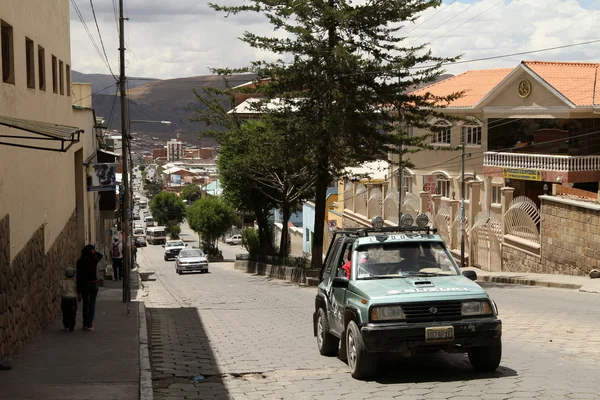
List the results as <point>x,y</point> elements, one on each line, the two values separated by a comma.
<point>486,359</point>
<point>327,343</point>
<point>362,364</point>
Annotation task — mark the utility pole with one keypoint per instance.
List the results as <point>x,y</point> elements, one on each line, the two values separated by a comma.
<point>124,162</point>
<point>462,202</point>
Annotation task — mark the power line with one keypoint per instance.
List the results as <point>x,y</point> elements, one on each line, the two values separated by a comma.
<point>427,19</point>
<point>96,92</point>
<point>82,20</point>
<point>101,41</point>
<point>445,22</point>
<point>112,108</point>
<point>467,21</point>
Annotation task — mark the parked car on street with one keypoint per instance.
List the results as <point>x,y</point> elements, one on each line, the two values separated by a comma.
<point>140,241</point>
<point>235,239</point>
<point>191,260</point>
<point>399,290</point>
<point>172,249</point>
<point>149,221</point>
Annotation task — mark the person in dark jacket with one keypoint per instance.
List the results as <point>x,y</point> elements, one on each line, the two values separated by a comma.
<point>87,283</point>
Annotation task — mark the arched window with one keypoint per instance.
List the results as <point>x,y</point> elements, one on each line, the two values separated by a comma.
<point>471,133</point>
<point>469,178</point>
<point>442,131</point>
<point>443,183</point>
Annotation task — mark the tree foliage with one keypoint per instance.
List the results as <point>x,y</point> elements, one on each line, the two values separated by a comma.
<point>348,81</point>
<point>210,218</point>
<point>153,187</point>
<point>191,193</point>
<point>167,209</point>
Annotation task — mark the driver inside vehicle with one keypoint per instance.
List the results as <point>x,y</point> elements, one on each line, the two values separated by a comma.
<point>412,259</point>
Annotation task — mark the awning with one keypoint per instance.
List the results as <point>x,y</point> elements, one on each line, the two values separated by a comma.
<point>66,135</point>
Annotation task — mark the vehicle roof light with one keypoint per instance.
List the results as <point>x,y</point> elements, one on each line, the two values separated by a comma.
<point>422,220</point>
<point>377,223</point>
<point>406,220</point>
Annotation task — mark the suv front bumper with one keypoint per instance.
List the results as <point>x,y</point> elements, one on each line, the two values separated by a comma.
<point>402,337</point>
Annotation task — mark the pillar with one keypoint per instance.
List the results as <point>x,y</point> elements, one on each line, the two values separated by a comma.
<point>437,202</point>
<point>474,208</point>
<point>507,194</point>
<point>488,188</point>
<point>454,212</point>
<point>424,204</point>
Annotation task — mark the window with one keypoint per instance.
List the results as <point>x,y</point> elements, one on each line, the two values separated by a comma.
<point>407,183</point>
<point>472,135</point>
<point>8,59</point>
<point>54,75</point>
<point>468,179</point>
<point>442,134</point>
<point>68,79</point>
<point>42,68</point>
<point>496,195</point>
<point>443,188</point>
<point>61,77</point>
<point>30,63</point>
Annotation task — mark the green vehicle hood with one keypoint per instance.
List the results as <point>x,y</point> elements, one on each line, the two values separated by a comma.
<point>417,289</point>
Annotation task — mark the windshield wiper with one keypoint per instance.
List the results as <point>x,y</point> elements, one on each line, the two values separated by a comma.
<point>421,274</point>
<point>366,278</point>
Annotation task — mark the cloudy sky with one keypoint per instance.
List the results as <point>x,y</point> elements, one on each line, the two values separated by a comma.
<point>179,38</point>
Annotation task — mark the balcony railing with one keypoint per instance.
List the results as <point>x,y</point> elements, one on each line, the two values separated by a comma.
<point>546,162</point>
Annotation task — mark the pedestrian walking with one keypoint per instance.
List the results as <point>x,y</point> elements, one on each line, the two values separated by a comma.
<point>116,254</point>
<point>87,283</point>
<point>134,254</point>
<point>68,299</point>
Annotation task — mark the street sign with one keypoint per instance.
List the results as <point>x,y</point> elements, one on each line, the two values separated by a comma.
<point>523,174</point>
<point>430,183</point>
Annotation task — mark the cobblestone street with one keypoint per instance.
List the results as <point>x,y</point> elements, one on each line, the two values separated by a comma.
<point>252,338</point>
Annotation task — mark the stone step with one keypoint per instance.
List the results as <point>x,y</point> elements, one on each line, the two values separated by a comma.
<point>312,281</point>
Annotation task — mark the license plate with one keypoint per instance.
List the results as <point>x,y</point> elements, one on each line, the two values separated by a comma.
<point>439,334</point>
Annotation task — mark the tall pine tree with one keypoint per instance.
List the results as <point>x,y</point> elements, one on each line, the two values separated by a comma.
<point>346,73</point>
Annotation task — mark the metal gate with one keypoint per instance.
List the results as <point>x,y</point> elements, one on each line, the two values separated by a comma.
<point>486,239</point>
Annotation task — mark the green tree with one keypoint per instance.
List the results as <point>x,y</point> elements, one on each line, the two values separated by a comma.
<point>191,193</point>
<point>348,81</point>
<point>153,187</point>
<point>142,167</point>
<point>167,209</point>
<point>210,218</point>
<point>174,231</point>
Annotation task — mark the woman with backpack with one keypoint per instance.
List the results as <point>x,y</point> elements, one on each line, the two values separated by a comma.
<point>87,283</point>
<point>116,253</point>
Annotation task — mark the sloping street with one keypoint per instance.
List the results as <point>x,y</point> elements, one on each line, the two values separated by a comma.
<point>251,338</point>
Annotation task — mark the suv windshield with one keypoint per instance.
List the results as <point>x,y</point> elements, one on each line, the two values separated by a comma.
<point>402,259</point>
<point>173,244</point>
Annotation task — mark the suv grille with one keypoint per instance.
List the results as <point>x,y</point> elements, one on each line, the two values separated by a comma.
<point>432,311</point>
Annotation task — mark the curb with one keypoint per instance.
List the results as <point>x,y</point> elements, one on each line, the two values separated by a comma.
<point>146,391</point>
<point>528,282</point>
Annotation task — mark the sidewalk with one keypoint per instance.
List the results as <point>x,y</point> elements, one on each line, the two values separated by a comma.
<point>81,365</point>
<point>581,283</point>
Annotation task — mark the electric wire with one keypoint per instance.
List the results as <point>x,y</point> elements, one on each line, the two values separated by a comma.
<point>101,41</point>
<point>427,19</point>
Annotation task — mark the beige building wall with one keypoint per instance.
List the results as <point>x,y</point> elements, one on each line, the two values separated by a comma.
<point>37,187</point>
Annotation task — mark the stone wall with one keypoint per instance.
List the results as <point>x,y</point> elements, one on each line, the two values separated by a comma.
<point>29,298</point>
<point>570,240</point>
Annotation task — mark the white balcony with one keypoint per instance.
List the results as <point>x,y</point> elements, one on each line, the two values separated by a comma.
<point>546,162</point>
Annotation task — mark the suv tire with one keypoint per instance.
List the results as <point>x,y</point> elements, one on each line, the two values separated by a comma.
<point>363,364</point>
<point>326,342</point>
<point>486,359</point>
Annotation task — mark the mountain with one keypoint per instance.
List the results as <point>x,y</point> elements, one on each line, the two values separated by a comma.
<point>159,100</point>
<point>106,82</point>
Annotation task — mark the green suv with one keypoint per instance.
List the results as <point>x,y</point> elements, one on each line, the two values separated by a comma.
<point>399,290</point>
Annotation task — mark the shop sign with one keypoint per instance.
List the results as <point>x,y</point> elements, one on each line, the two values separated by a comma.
<point>523,174</point>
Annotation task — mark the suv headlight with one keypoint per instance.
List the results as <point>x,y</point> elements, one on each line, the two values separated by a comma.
<point>387,313</point>
<point>476,308</point>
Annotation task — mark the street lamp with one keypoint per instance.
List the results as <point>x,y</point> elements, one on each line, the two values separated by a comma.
<point>144,121</point>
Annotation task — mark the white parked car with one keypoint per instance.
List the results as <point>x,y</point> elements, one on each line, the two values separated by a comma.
<point>172,249</point>
<point>235,239</point>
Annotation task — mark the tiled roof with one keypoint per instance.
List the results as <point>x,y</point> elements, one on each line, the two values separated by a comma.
<point>476,84</point>
<point>575,81</point>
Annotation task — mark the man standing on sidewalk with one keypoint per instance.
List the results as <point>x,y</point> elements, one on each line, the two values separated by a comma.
<point>116,254</point>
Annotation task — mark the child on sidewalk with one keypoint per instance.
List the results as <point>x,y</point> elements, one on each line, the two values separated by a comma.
<point>68,294</point>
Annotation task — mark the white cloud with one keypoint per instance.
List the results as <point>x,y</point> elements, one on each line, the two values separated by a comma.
<point>186,37</point>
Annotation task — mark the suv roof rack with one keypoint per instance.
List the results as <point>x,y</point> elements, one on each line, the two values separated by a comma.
<point>362,232</point>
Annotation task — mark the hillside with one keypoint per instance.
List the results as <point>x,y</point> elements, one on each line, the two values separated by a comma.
<point>159,100</point>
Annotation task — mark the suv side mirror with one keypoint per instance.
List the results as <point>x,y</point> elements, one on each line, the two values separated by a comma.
<point>340,282</point>
<point>472,275</point>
